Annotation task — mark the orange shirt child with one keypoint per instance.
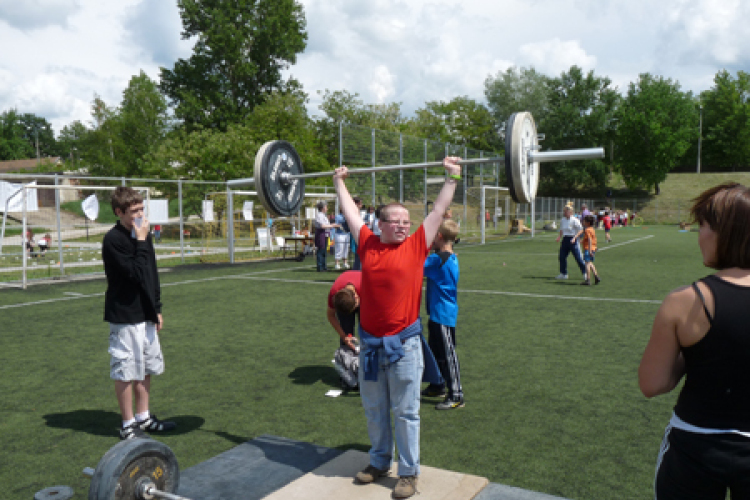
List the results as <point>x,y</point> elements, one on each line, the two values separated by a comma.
<point>588,242</point>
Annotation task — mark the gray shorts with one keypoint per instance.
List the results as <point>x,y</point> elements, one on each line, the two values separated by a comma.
<point>134,351</point>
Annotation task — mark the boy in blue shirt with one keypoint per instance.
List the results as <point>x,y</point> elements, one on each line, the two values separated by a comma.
<point>441,271</point>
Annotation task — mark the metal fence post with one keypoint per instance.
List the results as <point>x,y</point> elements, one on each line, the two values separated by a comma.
<point>182,222</point>
<point>373,164</point>
<point>59,228</point>
<point>400,172</point>
<point>230,229</point>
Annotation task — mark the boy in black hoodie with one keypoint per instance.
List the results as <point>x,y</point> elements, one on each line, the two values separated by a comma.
<point>132,306</point>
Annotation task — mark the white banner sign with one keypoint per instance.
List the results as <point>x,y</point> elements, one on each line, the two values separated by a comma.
<point>8,190</point>
<point>158,211</point>
<point>247,210</point>
<point>208,210</point>
<point>90,207</point>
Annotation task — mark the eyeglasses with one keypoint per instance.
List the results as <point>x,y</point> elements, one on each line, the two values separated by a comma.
<point>403,223</point>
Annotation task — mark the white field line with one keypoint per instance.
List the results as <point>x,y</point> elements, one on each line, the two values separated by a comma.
<point>601,248</point>
<point>484,292</point>
<point>75,295</point>
<point>253,276</point>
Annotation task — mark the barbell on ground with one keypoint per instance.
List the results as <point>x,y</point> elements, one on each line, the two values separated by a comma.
<point>135,469</point>
<point>280,179</point>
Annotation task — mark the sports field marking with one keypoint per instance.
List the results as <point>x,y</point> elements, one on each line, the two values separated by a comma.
<point>601,248</point>
<point>75,295</point>
<point>483,292</point>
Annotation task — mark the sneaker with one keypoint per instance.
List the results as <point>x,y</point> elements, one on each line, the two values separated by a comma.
<point>450,404</point>
<point>586,283</point>
<point>597,280</point>
<point>338,266</point>
<point>562,276</point>
<point>370,474</point>
<point>346,265</point>
<point>131,432</point>
<point>432,391</point>
<point>406,487</point>
<point>153,424</point>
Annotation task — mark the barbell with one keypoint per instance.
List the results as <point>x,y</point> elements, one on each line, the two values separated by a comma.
<point>135,469</point>
<point>279,177</point>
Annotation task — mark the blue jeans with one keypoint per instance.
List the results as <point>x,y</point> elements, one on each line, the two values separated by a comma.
<point>567,246</point>
<point>397,391</point>
<point>320,255</point>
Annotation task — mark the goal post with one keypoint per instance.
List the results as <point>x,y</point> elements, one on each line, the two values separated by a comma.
<point>495,201</point>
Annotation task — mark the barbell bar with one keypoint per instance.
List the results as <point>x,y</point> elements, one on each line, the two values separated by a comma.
<point>279,176</point>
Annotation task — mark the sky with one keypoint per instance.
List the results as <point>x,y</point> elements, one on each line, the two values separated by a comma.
<point>56,55</point>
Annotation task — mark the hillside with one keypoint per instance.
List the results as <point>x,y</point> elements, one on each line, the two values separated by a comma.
<point>677,193</point>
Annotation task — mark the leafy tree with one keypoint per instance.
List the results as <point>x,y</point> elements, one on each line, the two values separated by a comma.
<point>71,139</point>
<point>38,132</point>
<point>580,114</point>
<point>13,143</point>
<point>460,121</point>
<point>516,89</point>
<point>655,127</point>
<point>343,106</point>
<point>283,116</point>
<point>242,47</point>
<point>726,121</point>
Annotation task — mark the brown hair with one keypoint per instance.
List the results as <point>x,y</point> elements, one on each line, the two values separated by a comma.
<point>344,301</point>
<point>589,219</point>
<point>449,230</point>
<point>726,209</point>
<point>386,210</point>
<point>124,197</point>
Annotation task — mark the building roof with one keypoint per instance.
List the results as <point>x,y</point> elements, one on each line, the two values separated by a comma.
<point>27,165</point>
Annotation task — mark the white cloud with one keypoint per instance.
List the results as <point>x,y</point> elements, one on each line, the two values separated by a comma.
<point>556,56</point>
<point>707,32</point>
<point>63,52</point>
<point>35,14</point>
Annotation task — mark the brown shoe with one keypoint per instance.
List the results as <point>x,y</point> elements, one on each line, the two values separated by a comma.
<point>406,487</point>
<point>370,474</point>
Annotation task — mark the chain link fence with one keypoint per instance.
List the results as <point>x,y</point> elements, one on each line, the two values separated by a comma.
<point>192,221</point>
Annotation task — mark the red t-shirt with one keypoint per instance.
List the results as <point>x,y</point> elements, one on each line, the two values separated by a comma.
<point>353,277</point>
<point>391,282</point>
<point>607,222</point>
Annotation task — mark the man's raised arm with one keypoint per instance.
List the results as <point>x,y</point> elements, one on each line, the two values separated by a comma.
<point>346,203</point>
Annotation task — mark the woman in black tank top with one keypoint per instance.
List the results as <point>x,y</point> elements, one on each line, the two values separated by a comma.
<point>702,332</point>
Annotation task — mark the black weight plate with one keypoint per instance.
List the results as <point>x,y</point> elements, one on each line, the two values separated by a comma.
<point>118,472</point>
<point>281,199</point>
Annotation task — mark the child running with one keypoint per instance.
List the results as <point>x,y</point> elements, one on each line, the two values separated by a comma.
<point>588,242</point>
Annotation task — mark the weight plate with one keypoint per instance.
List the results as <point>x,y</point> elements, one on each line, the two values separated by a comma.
<point>281,197</point>
<point>54,493</point>
<point>118,473</point>
<point>522,175</point>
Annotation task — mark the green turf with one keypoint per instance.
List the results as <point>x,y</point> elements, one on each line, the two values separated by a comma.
<point>549,368</point>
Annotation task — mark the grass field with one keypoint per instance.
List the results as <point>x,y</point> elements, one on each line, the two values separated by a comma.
<point>549,368</point>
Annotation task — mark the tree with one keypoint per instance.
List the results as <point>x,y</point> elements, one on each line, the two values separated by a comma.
<point>342,106</point>
<point>13,143</point>
<point>460,121</point>
<point>726,121</point>
<point>71,139</point>
<point>38,132</point>
<point>655,126</point>
<point>241,49</point>
<point>514,90</point>
<point>580,114</point>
